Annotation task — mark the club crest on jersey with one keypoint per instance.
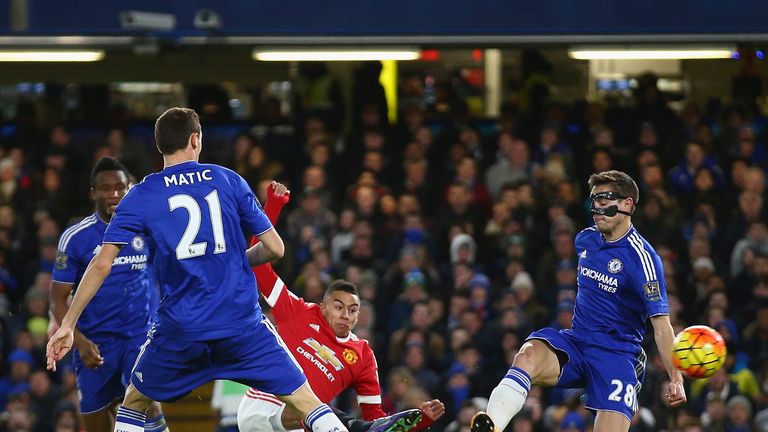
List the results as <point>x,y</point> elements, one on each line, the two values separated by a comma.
<point>652,291</point>
<point>61,260</point>
<point>350,356</point>
<point>615,265</point>
<point>137,243</point>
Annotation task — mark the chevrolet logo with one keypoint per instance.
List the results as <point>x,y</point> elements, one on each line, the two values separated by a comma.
<point>324,353</point>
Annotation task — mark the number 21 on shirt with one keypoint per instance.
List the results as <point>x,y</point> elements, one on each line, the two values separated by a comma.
<point>186,249</point>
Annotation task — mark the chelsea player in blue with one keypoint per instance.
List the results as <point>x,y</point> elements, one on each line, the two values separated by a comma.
<point>620,284</point>
<point>114,325</point>
<point>209,325</point>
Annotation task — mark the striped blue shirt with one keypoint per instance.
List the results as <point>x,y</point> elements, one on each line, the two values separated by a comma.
<point>620,284</point>
<point>122,305</point>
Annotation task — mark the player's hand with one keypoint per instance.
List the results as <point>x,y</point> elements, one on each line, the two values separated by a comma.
<point>433,409</point>
<point>675,394</point>
<point>58,346</point>
<point>278,192</point>
<point>89,353</point>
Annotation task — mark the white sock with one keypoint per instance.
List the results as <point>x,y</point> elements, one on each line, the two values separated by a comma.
<point>128,420</point>
<point>322,419</point>
<point>508,397</point>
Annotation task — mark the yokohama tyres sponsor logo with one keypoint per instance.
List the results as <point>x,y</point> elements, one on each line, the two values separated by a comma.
<point>606,283</point>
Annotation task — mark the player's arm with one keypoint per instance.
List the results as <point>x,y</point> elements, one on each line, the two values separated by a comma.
<point>278,196</point>
<point>98,270</point>
<point>283,302</point>
<point>368,388</point>
<point>269,248</point>
<point>59,299</point>
<point>663,334</point>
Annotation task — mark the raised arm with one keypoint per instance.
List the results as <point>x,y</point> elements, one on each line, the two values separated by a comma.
<point>272,246</point>
<point>98,270</point>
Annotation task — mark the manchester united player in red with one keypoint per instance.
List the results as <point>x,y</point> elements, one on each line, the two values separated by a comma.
<point>320,338</point>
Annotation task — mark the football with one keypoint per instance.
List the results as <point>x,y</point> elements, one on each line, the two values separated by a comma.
<point>699,351</point>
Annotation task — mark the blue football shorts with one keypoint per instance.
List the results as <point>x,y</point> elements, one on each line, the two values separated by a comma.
<point>612,373</point>
<point>168,368</point>
<point>98,388</point>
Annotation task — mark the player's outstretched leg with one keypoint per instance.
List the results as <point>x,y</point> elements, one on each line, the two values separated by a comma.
<point>535,362</point>
<point>402,421</point>
<point>131,416</point>
<point>482,422</point>
<point>318,416</point>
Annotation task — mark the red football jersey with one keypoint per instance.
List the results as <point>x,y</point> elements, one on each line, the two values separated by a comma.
<point>330,363</point>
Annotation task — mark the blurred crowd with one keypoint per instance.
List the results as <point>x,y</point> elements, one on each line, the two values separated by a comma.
<point>457,230</point>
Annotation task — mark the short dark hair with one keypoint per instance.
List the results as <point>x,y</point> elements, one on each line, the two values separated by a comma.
<point>620,182</point>
<point>173,128</point>
<point>108,164</point>
<point>341,285</point>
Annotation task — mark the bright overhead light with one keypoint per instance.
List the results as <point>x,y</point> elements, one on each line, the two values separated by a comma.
<point>51,56</point>
<point>335,55</point>
<point>650,53</point>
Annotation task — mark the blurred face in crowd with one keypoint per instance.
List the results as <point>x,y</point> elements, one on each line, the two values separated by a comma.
<point>604,138</point>
<point>458,197</point>
<point>754,180</point>
<point>314,177</point>
<point>750,205</point>
<point>373,161</point>
<point>694,155</point>
<point>653,176</point>
<point>424,137</point>
<point>414,357</point>
<point>601,161</point>
<point>467,169</point>
<point>647,157</point>
<point>738,173</point>
<point>109,187</point>
<point>320,154</point>
<point>365,198</point>
<point>519,153</point>
<point>704,180</point>
<point>408,204</point>
<point>416,171</point>
<point>341,309</point>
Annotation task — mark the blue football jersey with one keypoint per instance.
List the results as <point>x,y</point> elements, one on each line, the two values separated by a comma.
<point>122,305</point>
<point>620,284</point>
<point>194,215</point>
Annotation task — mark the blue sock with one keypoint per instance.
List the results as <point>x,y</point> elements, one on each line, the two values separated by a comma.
<point>156,424</point>
<point>520,377</point>
<point>322,419</point>
<point>128,420</point>
<point>508,397</point>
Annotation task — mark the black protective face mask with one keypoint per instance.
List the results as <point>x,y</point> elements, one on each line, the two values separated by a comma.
<point>609,211</point>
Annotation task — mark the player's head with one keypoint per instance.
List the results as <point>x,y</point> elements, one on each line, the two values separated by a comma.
<point>341,306</point>
<point>613,197</point>
<point>109,184</point>
<point>176,129</point>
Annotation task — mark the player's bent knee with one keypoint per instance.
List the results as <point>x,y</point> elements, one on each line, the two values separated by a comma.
<point>539,361</point>
<point>302,400</point>
<point>135,400</point>
<point>257,416</point>
<point>154,410</point>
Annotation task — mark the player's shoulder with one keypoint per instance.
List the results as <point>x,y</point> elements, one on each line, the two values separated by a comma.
<point>219,170</point>
<point>587,234</point>
<point>359,342</point>
<point>77,231</point>
<point>639,244</point>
